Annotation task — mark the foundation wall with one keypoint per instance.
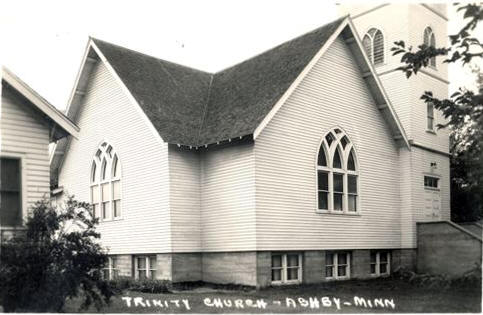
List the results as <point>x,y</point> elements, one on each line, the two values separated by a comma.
<point>255,268</point>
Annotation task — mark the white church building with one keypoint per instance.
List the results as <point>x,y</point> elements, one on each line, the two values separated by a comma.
<point>309,162</point>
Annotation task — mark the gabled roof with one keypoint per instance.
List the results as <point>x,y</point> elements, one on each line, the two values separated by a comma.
<point>172,96</point>
<point>241,96</point>
<point>193,108</point>
<point>63,126</point>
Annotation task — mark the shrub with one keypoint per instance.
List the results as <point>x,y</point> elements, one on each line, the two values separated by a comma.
<point>148,286</point>
<point>120,284</point>
<point>57,257</point>
<point>152,286</point>
<point>470,279</point>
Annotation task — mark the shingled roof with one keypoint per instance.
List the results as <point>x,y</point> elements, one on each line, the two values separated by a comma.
<point>194,108</point>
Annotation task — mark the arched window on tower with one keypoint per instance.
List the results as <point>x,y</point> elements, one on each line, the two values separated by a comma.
<point>106,183</point>
<point>373,42</point>
<point>430,41</point>
<point>337,174</point>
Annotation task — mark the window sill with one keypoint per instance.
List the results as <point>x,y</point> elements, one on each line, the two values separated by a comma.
<point>431,188</point>
<point>111,220</point>
<point>12,228</point>
<point>338,212</point>
<point>431,131</point>
<point>279,283</point>
<point>382,275</point>
<point>337,279</point>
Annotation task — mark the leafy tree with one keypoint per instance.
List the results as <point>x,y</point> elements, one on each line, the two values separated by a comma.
<point>463,111</point>
<point>55,258</point>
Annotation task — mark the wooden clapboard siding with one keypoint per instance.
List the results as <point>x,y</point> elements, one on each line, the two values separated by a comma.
<point>107,114</point>
<point>212,199</point>
<point>405,96</point>
<point>332,94</point>
<point>394,82</point>
<point>421,165</point>
<point>396,86</point>
<point>421,17</point>
<point>408,225</point>
<point>24,135</point>
<point>403,93</point>
<point>440,139</point>
<point>414,166</point>
<point>383,19</point>
<point>228,199</point>
<point>185,199</point>
<point>432,79</point>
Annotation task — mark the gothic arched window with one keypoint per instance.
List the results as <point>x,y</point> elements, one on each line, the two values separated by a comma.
<point>430,41</point>
<point>373,43</point>
<point>337,174</point>
<point>106,183</point>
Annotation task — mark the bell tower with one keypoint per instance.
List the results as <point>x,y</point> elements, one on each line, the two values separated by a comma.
<point>424,172</point>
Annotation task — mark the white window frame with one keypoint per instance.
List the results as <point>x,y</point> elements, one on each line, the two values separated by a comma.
<point>372,45</point>
<point>284,269</point>
<point>378,264</point>
<point>105,152</point>
<point>335,265</point>
<point>430,32</point>
<point>23,187</point>
<point>114,179</point>
<point>438,182</point>
<point>329,151</point>
<point>111,267</point>
<point>148,269</point>
<point>430,115</point>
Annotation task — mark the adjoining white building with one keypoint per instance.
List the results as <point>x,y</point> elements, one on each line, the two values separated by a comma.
<point>309,162</point>
<point>28,123</point>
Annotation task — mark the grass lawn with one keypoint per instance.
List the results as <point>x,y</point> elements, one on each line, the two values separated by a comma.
<point>324,298</point>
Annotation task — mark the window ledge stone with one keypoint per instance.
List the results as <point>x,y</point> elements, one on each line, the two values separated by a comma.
<point>338,212</point>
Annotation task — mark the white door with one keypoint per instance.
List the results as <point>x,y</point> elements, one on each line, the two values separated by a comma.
<point>432,205</point>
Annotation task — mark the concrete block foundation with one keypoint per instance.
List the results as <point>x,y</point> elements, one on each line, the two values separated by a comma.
<point>230,267</point>
<point>253,268</point>
<point>125,265</point>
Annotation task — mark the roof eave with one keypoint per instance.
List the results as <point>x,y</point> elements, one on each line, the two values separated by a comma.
<point>369,74</point>
<point>299,79</point>
<point>59,119</point>
<point>375,86</point>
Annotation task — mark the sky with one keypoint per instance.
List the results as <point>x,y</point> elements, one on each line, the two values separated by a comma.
<point>43,42</point>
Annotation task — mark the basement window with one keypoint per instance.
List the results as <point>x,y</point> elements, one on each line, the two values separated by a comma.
<point>110,271</point>
<point>337,265</point>
<point>145,267</point>
<point>380,263</point>
<point>286,268</point>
